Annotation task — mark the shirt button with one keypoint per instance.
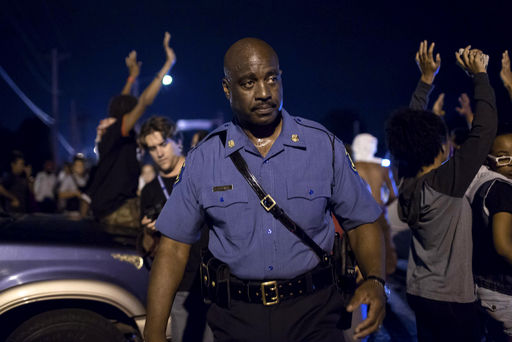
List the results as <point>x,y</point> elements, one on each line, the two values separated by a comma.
<point>270,268</point>
<point>269,231</point>
<point>311,192</point>
<point>266,161</point>
<point>221,199</point>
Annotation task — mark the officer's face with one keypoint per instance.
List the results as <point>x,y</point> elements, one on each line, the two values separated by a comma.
<point>163,151</point>
<point>254,89</point>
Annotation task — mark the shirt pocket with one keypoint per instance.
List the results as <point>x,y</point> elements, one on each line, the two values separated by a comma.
<point>307,202</point>
<point>227,210</point>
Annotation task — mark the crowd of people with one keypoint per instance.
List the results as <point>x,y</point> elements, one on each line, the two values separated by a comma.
<point>49,191</point>
<point>268,272</point>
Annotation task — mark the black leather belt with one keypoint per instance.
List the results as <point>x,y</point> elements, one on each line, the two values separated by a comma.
<point>274,291</point>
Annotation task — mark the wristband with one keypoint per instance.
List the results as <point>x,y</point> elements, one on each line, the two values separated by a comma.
<point>382,282</point>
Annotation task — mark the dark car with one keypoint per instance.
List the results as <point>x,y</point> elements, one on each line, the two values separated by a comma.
<point>70,280</point>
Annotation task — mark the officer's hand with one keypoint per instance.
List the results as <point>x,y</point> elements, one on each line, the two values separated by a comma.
<point>371,293</point>
<point>146,222</point>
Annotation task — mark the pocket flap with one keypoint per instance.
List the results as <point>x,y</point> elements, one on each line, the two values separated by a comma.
<point>308,189</point>
<point>224,198</point>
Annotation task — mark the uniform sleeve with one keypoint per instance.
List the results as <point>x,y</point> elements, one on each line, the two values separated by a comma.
<point>182,216</point>
<point>499,198</point>
<point>352,203</point>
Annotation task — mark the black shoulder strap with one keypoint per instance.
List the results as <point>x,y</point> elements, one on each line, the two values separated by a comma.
<point>270,205</point>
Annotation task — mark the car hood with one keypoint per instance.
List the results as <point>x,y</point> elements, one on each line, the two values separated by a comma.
<point>62,229</point>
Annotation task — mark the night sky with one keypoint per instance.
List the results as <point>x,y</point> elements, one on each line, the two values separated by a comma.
<point>350,57</point>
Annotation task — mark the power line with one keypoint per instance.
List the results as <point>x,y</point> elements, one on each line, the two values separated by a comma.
<point>45,118</point>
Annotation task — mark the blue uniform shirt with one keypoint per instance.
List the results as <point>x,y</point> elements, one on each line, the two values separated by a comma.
<point>297,172</point>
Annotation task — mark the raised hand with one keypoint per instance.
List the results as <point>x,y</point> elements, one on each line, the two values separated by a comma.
<point>429,66</point>
<point>171,56</point>
<point>505,73</point>
<point>465,108</point>
<point>472,61</point>
<point>132,64</point>
<point>437,109</point>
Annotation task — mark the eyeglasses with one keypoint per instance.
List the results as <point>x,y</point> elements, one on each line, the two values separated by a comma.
<point>501,161</point>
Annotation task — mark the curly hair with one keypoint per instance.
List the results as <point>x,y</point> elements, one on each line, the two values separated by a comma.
<point>120,105</point>
<point>414,139</point>
<point>161,124</point>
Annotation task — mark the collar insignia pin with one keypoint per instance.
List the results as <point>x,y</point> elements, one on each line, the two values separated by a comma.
<point>295,138</point>
<point>231,143</point>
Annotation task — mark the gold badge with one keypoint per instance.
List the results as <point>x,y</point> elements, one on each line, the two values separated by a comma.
<point>231,143</point>
<point>295,138</point>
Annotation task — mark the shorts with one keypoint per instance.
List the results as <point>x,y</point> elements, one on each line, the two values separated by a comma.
<point>498,306</point>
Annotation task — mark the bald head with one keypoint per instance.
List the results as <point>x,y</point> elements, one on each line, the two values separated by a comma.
<point>243,51</point>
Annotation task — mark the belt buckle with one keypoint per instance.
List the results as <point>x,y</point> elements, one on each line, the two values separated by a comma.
<point>268,207</point>
<point>274,299</point>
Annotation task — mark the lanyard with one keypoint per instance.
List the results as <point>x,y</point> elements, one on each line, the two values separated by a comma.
<point>164,189</point>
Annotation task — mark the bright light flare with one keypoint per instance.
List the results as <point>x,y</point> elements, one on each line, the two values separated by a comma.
<point>385,162</point>
<point>167,80</point>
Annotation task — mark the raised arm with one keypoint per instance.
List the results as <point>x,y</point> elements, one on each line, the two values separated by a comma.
<point>465,108</point>
<point>134,69</point>
<point>454,177</point>
<point>437,108</point>
<point>429,67</point>
<point>148,95</point>
<point>506,74</point>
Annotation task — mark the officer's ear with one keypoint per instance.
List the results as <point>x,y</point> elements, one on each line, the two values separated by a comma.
<point>227,90</point>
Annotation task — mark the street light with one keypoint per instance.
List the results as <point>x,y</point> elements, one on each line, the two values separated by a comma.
<point>167,80</point>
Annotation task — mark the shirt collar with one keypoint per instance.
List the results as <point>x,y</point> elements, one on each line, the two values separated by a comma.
<point>291,135</point>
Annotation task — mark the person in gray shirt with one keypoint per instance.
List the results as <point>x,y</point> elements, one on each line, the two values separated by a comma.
<point>433,201</point>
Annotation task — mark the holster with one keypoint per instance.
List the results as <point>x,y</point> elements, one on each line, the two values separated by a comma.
<point>214,280</point>
<point>344,275</point>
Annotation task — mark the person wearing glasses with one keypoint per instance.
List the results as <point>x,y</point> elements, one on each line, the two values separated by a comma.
<point>491,195</point>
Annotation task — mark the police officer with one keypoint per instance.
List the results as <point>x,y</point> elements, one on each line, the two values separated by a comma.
<point>292,158</point>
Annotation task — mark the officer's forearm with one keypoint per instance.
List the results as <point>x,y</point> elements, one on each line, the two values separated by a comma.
<point>367,241</point>
<point>166,274</point>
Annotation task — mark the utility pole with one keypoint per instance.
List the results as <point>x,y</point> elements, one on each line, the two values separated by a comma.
<point>75,132</point>
<point>55,106</point>
<point>55,102</point>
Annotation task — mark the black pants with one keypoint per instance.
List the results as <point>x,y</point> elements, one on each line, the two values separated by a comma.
<point>312,318</point>
<point>445,321</point>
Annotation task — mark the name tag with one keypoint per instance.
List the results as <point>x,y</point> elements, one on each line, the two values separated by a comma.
<point>222,188</point>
